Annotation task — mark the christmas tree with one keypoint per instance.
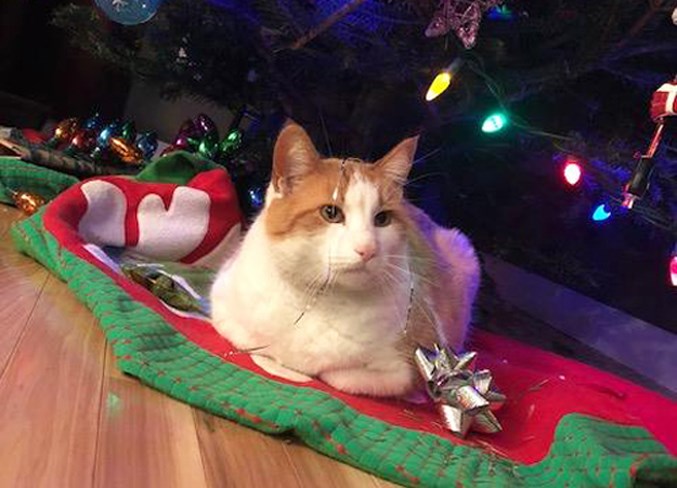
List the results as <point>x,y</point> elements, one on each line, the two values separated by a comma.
<point>566,80</point>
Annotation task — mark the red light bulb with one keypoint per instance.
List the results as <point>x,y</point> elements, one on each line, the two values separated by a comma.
<point>572,172</point>
<point>673,270</point>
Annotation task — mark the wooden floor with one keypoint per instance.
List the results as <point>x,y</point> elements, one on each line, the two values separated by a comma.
<point>68,418</point>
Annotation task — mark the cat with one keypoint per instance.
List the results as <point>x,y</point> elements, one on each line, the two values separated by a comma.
<point>340,278</point>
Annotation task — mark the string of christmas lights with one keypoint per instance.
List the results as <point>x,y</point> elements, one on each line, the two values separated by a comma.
<point>663,104</point>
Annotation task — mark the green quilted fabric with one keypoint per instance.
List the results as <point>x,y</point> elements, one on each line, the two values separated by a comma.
<point>19,175</point>
<point>585,453</point>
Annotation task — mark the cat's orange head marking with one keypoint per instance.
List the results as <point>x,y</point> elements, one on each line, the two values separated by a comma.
<point>304,182</point>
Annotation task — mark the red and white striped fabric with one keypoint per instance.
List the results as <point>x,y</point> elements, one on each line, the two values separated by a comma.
<point>664,101</point>
<point>197,223</point>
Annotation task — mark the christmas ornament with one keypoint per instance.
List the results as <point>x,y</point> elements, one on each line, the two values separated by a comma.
<point>664,101</point>
<point>202,136</point>
<point>129,12</point>
<point>103,137</point>
<point>572,172</point>
<point>464,397</point>
<point>182,141</point>
<point>64,131</point>
<point>206,137</point>
<point>147,142</point>
<point>205,125</point>
<point>170,149</point>
<point>27,202</point>
<point>602,212</point>
<point>494,122</point>
<point>461,16</point>
<point>230,143</point>
<point>663,104</point>
<point>256,197</point>
<point>188,130</point>
<point>125,150</point>
<point>209,145</point>
<point>93,123</point>
<point>639,182</point>
<point>41,155</point>
<point>128,131</point>
<point>82,142</point>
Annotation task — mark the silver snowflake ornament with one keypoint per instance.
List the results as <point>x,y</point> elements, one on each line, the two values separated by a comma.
<point>461,16</point>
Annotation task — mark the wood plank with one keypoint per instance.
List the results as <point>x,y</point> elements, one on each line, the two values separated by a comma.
<point>21,282</point>
<point>235,456</point>
<point>385,484</point>
<point>146,439</point>
<point>8,215</point>
<point>314,469</point>
<point>49,396</point>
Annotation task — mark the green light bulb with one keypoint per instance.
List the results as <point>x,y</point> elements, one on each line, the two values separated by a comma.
<point>234,136</point>
<point>494,122</point>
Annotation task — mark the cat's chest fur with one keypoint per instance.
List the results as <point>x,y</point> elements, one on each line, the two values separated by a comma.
<point>308,330</point>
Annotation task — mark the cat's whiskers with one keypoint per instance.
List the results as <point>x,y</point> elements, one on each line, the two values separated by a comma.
<point>410,257</point>
<point>414,299</point>
<point>333,280</point>
<point>410,275</point>
<point>313,290</point>
<point>327,279</point>
<point>413,273</point>
<point>313,287</point>
<point>423,177</point>
<point>387,286</point>
<point>425,309</point>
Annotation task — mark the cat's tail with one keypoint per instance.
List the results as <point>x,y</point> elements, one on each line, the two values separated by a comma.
<point>454,297</point>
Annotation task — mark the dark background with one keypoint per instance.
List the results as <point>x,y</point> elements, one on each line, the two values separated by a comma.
<point>37,64</point>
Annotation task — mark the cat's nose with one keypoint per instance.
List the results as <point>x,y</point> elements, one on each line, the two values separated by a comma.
<point>366,251</point>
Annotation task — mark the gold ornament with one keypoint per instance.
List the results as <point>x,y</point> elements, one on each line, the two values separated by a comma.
<point>125,150</point>
<point>65,130</point>
<point>28,202</point>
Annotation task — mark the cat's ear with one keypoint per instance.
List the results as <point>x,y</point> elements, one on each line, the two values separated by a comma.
<point>294,157</point>
<point>397,163</point>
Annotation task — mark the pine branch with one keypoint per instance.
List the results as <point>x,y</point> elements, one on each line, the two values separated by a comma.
<point>655,6</point>
<point>349,7</point>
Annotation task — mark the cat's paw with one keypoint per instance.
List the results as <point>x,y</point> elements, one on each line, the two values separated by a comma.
<point>364,381</point>
<point>274,368</point>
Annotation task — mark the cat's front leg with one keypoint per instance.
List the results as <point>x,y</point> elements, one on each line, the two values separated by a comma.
<point>398,380</point>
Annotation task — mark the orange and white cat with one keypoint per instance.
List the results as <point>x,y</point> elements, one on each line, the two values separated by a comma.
<point>340,278</point>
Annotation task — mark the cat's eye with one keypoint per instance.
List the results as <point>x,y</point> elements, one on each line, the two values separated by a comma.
<point>383,218</point>
<point>332,214</point>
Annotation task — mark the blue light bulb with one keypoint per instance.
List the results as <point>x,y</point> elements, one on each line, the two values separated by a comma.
<point>601,213</point>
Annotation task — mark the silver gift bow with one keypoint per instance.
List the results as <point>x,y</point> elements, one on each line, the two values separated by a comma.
<point>465,397</point>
